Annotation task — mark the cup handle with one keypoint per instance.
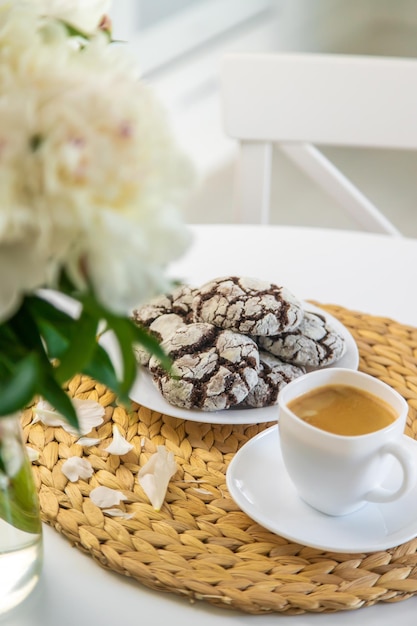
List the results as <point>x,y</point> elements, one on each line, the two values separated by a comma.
<point>409,468</point>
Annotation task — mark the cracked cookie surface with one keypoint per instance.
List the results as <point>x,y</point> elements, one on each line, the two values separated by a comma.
<point>247,305</point>
<point>179,302</point>
<point>273,375</point>
<point>313,344</point>
<point>162,315</point>
<point>161,328</point>
<point>212,370</point>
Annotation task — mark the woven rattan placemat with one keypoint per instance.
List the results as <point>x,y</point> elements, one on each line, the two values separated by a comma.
<point>200,545</point>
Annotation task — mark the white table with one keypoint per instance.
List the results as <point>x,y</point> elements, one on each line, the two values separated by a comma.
<point>375,274</point>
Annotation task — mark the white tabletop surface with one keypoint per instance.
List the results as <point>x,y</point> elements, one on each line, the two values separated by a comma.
<point>370,273</point>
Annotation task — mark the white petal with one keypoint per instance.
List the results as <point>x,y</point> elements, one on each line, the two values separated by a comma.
<point>118,513</point>
<point>89,412</point>
<point>75,467</point>
<point>45,413</point>
<point>33,454</point>
<point>88,441</point>
<point>105,497</point>
<point>155,475</point>
<point>119,445</point>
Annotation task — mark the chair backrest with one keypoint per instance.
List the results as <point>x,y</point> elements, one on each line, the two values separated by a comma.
<point>301,101</point>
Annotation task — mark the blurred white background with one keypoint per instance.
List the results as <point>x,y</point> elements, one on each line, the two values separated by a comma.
<point>179,45</point>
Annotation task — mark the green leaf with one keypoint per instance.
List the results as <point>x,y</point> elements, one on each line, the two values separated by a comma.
<point>125,336</point>
<point>11,348</point>
<point>56,342</point>
<point>7,335</point>
<point>65,284</point>
<point>101,369</point>
<point>24,326</point>
<point>55,326</point>
<point>18,389</point>
<point>42,309</point>
<point>81,348</point>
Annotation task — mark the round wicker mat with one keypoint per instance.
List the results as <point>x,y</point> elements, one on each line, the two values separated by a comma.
<point>200,545</point>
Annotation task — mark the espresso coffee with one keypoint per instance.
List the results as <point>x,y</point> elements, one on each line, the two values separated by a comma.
<point>343,410</point>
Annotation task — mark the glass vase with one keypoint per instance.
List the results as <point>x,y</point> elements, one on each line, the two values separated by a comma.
<point>20,523</point>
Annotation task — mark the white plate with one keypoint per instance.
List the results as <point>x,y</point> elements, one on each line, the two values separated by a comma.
<point>259,484</point>
<point>145,392</point>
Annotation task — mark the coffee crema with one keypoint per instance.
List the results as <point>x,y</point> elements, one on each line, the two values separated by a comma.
<point>343,410</point>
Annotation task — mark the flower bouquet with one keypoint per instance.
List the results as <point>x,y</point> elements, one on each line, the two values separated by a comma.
<point>90,185</point>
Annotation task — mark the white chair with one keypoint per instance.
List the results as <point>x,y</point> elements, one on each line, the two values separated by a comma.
<point>299,101</point>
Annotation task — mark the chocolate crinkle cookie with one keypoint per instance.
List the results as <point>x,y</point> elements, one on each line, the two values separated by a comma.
<point>162,315</point>
<point>182,302</point>
<point>274,374</point>
<point>248,306</point>
<point>161,328</point>
<point>212,370</point>
<point>179,301</point>
<point>313,344</point>
<point>150,311</point>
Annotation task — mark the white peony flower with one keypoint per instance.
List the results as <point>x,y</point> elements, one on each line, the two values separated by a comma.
<point>90,176</point>
<point>76,467</point>
<point>155,475</point>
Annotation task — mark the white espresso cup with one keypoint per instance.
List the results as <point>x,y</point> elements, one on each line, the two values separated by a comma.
<point>338,474</point>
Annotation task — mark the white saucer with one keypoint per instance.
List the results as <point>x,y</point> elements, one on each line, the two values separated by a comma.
<point>145,392</point>
<point>259,484</point>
